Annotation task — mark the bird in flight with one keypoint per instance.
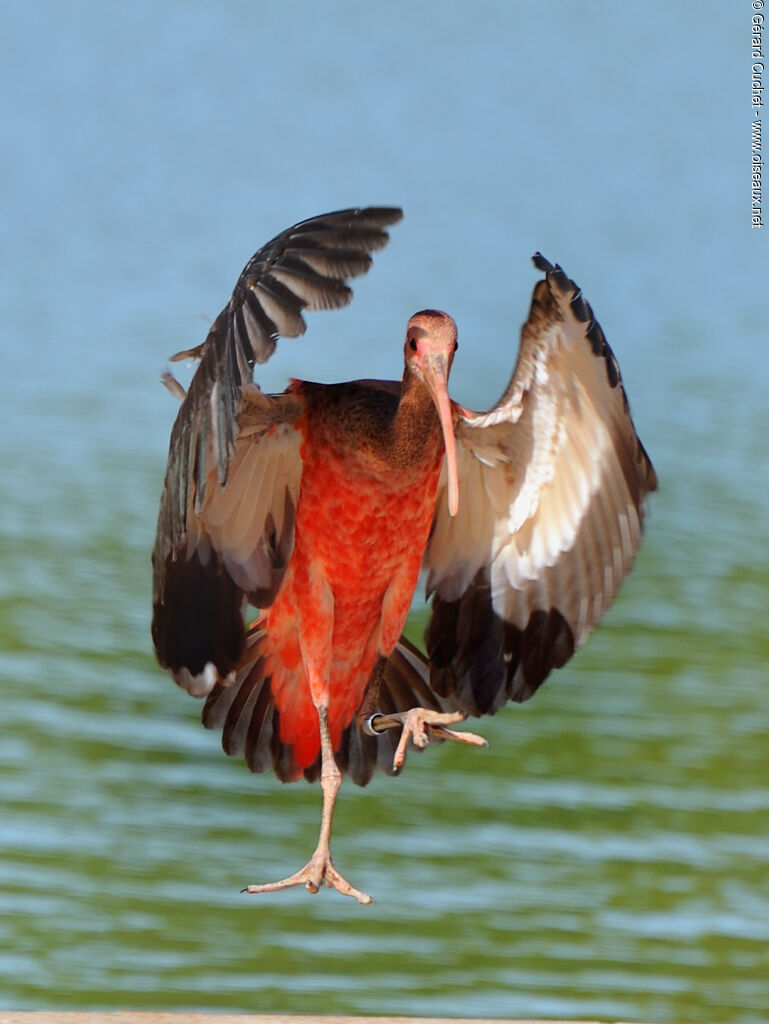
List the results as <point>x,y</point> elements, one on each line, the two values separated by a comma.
<point>320,507</point>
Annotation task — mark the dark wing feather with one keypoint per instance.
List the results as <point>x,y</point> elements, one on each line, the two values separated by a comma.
<point>225,527</point>
<point>553,482</point>
<point>244,709</point>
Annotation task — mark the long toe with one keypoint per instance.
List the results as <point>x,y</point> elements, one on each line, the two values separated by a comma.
<point>418,725</point>
<point>317,870</point>
<point>306,877</point>
<point>336,881</point>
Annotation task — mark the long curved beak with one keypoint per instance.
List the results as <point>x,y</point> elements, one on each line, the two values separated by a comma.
<point>435,373</point>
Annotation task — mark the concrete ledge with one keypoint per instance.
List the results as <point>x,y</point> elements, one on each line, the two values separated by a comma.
<point>129,1017</point>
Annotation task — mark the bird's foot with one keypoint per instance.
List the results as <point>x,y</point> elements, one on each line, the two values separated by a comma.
<point>318,869</point>
<point>421,724</point>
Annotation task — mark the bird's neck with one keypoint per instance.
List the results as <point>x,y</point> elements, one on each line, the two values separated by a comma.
<point>415,432</point>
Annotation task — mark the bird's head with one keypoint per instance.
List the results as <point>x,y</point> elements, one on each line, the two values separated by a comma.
<point>431,341</point>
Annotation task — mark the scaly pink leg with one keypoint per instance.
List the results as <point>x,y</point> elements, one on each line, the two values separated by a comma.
<point>320,868</point>
<point>418,725</point>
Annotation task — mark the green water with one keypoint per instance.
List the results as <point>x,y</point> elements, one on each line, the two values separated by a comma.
<point>607,857</point>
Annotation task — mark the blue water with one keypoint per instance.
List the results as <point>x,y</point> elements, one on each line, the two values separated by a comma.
<point>608,856</point>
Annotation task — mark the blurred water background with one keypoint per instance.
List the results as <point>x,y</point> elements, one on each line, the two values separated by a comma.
<point>607,857</point>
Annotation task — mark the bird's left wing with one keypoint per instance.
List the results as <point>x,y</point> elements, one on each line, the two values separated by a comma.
<point>553,482</point>
<point>225,527</point>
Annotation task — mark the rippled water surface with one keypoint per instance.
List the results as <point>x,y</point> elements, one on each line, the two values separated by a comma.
<point>608,856</point>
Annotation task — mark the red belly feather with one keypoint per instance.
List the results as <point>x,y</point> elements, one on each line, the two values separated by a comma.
<point>362,534</point>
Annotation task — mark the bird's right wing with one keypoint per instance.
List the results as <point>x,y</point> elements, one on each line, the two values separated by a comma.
<point>553,486</point>
<point>225,527</point>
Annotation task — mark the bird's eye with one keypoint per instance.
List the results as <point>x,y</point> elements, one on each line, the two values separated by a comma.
<point>456,345</point>
<point>413,344</point>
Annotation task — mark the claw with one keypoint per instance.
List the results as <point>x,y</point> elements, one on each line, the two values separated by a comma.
<point>318,869</point>
<point>419,725</point>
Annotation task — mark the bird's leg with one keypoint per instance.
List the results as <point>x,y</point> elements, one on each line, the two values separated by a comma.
<point>320,868</point>
<point>419,725</point>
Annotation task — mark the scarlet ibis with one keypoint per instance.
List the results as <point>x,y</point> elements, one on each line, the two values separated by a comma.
<point>321,505</point>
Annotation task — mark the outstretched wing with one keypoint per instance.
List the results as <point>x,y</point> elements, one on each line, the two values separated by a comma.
<point>225,527</point>
<point>552,487</point>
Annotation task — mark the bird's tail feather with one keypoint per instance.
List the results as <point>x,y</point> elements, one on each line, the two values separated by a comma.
<point>244,709</point>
